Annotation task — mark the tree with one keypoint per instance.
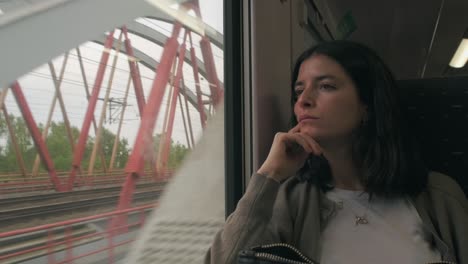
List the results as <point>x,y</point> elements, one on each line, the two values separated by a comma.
<point>8,162</point>
<point>107,143</point>
<point>177,152</point>
<point>3,128</point>
<point>3,143</point>
<point>58,145</point>
<point>3,132</point>
<point>61,153</point>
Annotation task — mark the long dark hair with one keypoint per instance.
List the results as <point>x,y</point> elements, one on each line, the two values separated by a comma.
<point>383,148</point>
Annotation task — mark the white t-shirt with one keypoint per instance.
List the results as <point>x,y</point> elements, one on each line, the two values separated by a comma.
<point>393,233</point>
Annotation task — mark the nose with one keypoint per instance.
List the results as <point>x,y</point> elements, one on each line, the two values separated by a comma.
<point>307,98</point>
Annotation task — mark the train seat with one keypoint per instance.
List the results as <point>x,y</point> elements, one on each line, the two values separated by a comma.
<point>437,111</point>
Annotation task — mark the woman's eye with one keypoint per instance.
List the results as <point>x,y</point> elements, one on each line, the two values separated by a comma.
<point>298,92</point>
<point>327,87</point>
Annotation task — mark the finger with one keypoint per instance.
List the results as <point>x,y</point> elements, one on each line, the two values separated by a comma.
<point>295,129</point>
<point>297,138</point>
<point>316,149</point>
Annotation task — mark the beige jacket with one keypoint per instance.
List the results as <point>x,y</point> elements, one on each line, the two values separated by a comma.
<point>296,212</point>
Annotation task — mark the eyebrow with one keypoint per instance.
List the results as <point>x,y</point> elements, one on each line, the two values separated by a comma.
<point>317,79</point>
<point>298,83</point>
<point>324,77</point>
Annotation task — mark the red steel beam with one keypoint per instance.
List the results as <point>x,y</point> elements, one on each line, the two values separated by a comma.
<point>189,144</point>
<point>205,46</point>
<point>81,144</point>
<point>57,84</point>
<point>138,86</point>
<point>136,160</point>
<point>201,108</point>
<point>189,120</point>
<point>75,221</point>
<point>36,135</point>
<point>85,82</point>
<point>175,94</point>
<point>50,252</point>
<point>135,72</point>
<point>215,86</point>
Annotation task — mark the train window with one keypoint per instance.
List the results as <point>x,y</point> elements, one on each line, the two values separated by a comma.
<point>103,105</point>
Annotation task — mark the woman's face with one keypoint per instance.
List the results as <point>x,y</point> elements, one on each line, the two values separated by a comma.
<point>328,107</point>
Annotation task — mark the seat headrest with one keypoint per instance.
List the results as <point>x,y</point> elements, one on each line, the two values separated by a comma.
<point>437,112</point>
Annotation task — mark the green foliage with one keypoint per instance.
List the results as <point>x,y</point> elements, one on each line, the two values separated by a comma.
<point>107,143</point>
<point>8,162</point>
<point>59,147</point>
<point>3,132</point>
<point>3,127</point>
<point>177,152</point>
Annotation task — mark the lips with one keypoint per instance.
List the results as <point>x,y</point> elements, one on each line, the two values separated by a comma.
<point>307,117</point>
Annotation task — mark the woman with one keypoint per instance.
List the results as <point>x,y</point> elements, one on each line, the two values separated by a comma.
<point>343,185</point>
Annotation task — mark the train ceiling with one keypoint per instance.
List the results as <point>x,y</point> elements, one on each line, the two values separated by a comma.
<point>402,31</point>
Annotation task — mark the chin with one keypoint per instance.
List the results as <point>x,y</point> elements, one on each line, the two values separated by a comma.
<point>313,132</point>
<point>324,138</point>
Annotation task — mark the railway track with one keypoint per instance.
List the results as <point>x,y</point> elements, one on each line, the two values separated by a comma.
<point>34,211</point>
<point>45,208</point>
<point>16,202</point>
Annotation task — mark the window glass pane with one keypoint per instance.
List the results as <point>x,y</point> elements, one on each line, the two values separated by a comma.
<point>108,124</point>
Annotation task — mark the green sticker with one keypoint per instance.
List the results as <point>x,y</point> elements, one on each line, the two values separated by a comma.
<point>346,26</point>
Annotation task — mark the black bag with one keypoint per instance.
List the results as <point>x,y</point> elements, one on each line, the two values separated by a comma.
<point>273,254</point>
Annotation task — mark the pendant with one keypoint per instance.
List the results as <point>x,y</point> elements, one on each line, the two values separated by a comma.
<point>339,205</point>
<point>361,220</point>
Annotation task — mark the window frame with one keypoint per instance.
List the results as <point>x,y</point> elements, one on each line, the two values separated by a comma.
<point>233,104</point>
